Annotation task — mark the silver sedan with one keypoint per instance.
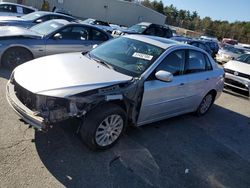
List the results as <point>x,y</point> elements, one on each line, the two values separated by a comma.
<point>133,79</point>
<point>19,45</point>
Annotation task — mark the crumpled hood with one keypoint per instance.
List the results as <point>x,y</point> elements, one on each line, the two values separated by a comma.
<point>65,75</point>
<point>238,66</point>
<point>8,31</point>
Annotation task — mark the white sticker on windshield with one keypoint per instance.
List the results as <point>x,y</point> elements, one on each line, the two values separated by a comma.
<point>143,56</point>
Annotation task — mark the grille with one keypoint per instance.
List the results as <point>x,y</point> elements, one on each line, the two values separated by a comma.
<point>235,83</point>
<point>25,96</point>
<point>239,73</point>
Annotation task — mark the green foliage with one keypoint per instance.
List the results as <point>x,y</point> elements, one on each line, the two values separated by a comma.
<point>191,20</point>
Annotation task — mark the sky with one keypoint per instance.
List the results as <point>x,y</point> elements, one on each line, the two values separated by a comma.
<point>230,10</point>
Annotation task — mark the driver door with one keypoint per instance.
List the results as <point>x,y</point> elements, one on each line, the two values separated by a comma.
<point>163,99</point>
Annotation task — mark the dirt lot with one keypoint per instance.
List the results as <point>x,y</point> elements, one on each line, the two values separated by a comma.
<point>186,151</point>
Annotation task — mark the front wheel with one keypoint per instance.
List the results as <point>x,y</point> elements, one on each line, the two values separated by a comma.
<point>205,104</point>
<point>103,126</point>
<point>15,56</point>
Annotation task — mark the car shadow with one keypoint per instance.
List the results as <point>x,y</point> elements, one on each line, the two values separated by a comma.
<point>5,73</point>
<point>185,151</point>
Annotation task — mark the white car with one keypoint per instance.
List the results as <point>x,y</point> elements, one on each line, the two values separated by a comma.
<point>134,79</point>
<point>13,9</point>
<point>237,75</point>
<point>228,52</point>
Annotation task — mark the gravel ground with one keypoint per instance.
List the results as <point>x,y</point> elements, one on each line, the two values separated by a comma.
<point>186,151</point>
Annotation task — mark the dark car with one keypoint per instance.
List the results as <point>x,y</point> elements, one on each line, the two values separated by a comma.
<point>146,28</point>
<point>32,19</point>
<point>213,46</point>
<point>201,44</point>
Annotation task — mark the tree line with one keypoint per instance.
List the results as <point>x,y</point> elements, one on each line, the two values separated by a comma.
<point>191,20</point>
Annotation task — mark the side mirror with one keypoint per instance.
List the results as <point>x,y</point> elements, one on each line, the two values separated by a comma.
<point>164,76</point>
<point>39,21</point>
<point>57,36</point>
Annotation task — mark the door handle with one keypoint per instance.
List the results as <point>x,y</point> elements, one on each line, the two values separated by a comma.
<point>182,84</point>
<point>207,78</point>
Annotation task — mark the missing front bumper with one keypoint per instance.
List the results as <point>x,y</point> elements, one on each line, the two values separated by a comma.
<point>23,112</point>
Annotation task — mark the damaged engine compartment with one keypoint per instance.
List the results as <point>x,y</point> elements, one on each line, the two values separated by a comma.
<point>54,109</point>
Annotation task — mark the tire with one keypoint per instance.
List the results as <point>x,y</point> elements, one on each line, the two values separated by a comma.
<point>15,56</point>
<point>96,133</point>
<point>205,104</point>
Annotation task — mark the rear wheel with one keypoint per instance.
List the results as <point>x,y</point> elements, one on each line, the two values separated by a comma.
<point>103,126</point>
<point>205,104</point>
<point>15,56</point>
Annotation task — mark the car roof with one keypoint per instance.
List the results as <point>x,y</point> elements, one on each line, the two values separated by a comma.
<point>42,13</point>
<point>16,4</point>
<point>156,41</point>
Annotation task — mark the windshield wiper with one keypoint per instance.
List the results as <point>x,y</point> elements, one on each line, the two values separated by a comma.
<point>100,61</point>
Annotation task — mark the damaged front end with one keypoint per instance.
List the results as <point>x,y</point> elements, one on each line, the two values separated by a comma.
<point>39,111</point>
<point>42,111</point>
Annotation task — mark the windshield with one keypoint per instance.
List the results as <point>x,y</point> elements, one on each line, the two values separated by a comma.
<point>244,58</point>
<point>138,28</point>
<point>127,56</point>
<point>46,27</point>
<point>234,50</point>
<point>32,16</point>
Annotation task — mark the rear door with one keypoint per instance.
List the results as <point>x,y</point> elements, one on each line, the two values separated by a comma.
<point>198,72</point>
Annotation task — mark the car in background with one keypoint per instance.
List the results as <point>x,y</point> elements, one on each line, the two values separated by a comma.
<point>237,75</point>
<point>181,39</point>
<point>229,41</point>
<point>145,28</point>
<point>19,45</point>
<point>13,9</point>
<point>210,38</point>
<point>201,44</point>
<point>130,80</point>
<point>228,52</point>
<point>213,45</point>
<point>98,23</point>
<point>32,19</point>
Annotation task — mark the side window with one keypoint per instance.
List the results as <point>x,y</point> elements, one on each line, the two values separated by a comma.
<point>159,32</point>
<point>75,33</point>
<point>8,8</point>
<point>168,33</point>
<point>150,31</point>
<point>65,18</point>
<point>98,35</point>
<point>173,63</point>
<point>19,10</point>
<point>27,10</point>
<point>197,62</point>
